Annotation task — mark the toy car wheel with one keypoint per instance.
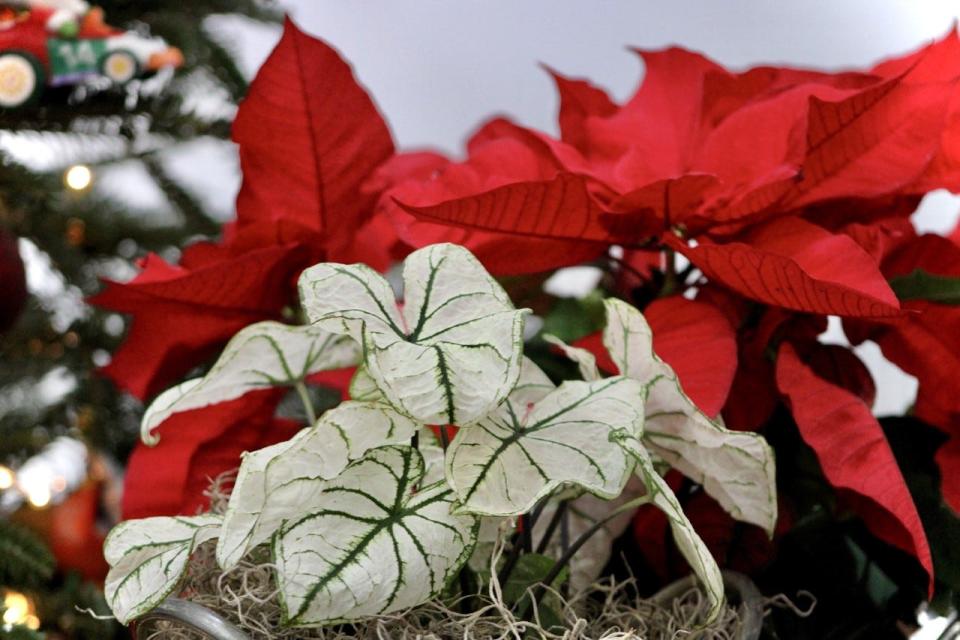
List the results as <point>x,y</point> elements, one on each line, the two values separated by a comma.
<point>21,79</point>
<point>119,66</point>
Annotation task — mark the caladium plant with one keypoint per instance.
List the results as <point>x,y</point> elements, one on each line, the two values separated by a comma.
<point>367,512</point>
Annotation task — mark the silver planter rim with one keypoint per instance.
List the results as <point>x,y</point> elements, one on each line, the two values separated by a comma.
<point>190,614</point>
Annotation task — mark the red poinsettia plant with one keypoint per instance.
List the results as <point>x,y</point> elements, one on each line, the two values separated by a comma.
<point>737,210</point>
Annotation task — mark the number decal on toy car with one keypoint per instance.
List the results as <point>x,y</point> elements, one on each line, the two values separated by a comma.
<point>71,57</point>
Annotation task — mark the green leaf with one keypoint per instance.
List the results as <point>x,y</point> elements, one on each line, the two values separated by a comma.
<point>530,570</point>
<point>688,542</point>
<point>453,353</point>
<point>372,542</point>
<point>274,483</point>
<point>736,468</point>
<point>571,318</point>
<point>540,439</point>
<point>265,354</point>
<point>147,558</point>
<point>923,285</point>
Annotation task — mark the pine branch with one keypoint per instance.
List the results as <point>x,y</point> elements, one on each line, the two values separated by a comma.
<point>25,562</point>
<point>195,217</point>
<point>224,67</point>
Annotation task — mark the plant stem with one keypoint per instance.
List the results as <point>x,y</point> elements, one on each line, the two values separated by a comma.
<point>511,561</point>
<point>579,542</point>
<point>558,517</point>
<point>670,274</point>
<point>565,531</point>
<point>466,601</point>
<point>527,535</point>
<point>444,438</point>
<point>307,404</point>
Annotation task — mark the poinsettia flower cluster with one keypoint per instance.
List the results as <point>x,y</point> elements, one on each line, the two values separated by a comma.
<point>788,191</point>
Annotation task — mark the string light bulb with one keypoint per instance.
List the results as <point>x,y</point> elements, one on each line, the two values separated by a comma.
<point>78,177</point>
<point>18,610</point>
<point>38,493</point>
<point>6,478</point>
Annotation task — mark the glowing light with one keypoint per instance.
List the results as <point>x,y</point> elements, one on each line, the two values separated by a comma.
<point>6,478</point>
<point>18,610</point>
<point>38,493</point>
<point>78,177</point>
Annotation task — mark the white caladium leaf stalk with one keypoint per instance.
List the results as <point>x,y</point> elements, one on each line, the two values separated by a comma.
<point>450,356</point>
<point>147,558</point>
<point>370,543</point>
<point>538,440</point>
<point>265,354</point>
<point>736,468</point>
<point>688,542</point>
<point>274,483</point>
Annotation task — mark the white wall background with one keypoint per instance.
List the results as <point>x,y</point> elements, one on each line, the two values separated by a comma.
<point>438,66</point>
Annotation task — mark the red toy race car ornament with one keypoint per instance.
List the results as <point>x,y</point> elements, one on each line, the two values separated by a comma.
<point>49,45</point>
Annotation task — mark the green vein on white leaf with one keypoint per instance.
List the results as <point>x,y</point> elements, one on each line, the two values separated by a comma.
<point>537,441</point>
<point>370,544</point>
<point>454,352</point>
<point>274,483</point>
<point>265,354</point>
<point>688,542</point>
<point>147,558</point>
<point>735,468</point>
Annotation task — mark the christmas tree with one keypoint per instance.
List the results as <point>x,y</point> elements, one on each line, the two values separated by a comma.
<point>61,233</point>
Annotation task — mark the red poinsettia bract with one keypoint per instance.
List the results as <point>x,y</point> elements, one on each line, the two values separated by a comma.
<point>309,138</point>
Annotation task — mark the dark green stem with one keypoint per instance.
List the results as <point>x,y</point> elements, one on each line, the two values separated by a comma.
<point>444,438</point>
<point>564,559</point>
<point>558,516</point>
<point>670,273</point>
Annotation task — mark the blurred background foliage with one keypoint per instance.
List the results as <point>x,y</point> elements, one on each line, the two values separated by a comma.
<point>58,238</point>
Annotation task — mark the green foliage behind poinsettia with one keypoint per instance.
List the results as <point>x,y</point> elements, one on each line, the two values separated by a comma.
<point>787,191</point>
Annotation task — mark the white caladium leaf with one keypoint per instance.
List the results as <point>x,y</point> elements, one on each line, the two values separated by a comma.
<point>453,353</point>
<point>736,468</point>
<point>532,444</point>
<point>147,558</point>
<point>275,482</point>
<point>690,544</point>
<point>374,541</point>
<point>265,354</point>
<point>364,388</point>
<point>585,360</point>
